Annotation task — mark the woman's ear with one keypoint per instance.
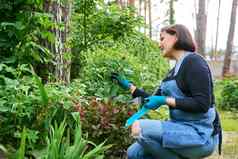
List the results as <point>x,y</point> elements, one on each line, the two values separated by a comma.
<point>175,39</point>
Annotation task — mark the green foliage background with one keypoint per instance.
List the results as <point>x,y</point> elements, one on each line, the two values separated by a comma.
<point>103,38</point>
<point>228,94</point>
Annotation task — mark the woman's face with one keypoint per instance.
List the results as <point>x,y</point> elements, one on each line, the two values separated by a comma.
<point>167,42</point>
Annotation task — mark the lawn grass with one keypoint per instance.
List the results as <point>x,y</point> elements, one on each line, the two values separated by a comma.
<point>229,121</point>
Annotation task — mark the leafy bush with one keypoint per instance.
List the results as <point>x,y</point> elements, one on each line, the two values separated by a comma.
<point>144,69</point>
<point>229,94</point>
<point>25,102</point>
<point>96,24</point>
<point>105,37</point>
<point>61,145</point>
<point>23,27</point>
<point>138,59</point>
<point>106,120</point>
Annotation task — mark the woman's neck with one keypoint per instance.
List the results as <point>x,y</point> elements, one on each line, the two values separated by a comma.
<point>178,54</point>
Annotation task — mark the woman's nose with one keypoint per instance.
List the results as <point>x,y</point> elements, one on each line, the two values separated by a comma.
<point>161,46</point>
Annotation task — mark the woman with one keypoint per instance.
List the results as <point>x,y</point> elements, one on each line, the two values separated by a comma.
<point>193,128</point>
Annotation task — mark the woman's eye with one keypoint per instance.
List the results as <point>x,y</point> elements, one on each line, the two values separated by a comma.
<point>162,38</point>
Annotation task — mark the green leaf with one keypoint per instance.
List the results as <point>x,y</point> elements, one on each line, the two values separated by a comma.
<point>21,151</point>
<point>19,25</point>
<point>3,106</point>
<point>43,93</point>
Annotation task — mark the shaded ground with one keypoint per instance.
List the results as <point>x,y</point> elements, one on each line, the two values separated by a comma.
<point>230,147</point>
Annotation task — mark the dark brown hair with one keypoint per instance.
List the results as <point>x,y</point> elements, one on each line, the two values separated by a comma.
<point>185,40</point>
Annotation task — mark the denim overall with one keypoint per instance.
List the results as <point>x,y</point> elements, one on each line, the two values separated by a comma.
<point>185,135</point>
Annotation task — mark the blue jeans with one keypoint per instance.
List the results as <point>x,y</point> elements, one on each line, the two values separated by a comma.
<point>148,145</point>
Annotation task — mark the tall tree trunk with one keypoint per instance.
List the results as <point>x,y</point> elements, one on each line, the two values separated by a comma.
<point>229,44</point>
<point>67,12</point>
<point>123,3</point>
<point>150,18</point>
<point>140,7</point>
<point>201,19</point>
<point>217,29</point>
<point>171,12</point>
<point>59,48</point>
<point>145,15</point>
<point>131,3</point>
<point>140,11</point>
<point>194,14</point>
<point>119,2</point>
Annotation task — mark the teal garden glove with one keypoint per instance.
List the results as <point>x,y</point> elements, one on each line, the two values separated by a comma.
<point>154,102</point>
<point>124,83</point>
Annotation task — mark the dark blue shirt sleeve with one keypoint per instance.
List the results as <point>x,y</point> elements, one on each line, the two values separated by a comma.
<point>198,84</point>
<point>141,93</point>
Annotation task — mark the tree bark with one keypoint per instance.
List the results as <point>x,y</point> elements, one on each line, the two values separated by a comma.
<point>140,7</point>
<point>119,2</point>
<point>171,12</point>
<point>230,39</point>
<point>150,18</point>
<point>145,15</point>
<point>201,19</point>
<point>217,29</point>
<point>131,3</point>
<point>61,15</point>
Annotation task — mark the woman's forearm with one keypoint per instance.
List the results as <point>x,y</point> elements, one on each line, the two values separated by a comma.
<point>170,101</point>
<point>132,88</point>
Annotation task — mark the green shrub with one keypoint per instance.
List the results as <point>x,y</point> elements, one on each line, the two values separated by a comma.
<point>61,145</point>
<point>96,24</point>
<point>26,102</point>
<point>143,70</point>
<point>229,94</point>
<point>106,121</point>
<point>23,27</point>
<point>138,60</point>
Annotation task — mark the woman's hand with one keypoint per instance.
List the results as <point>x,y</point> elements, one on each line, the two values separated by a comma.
<point>135,129</point>
<point>124,83</point>
<point>154,102</point>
